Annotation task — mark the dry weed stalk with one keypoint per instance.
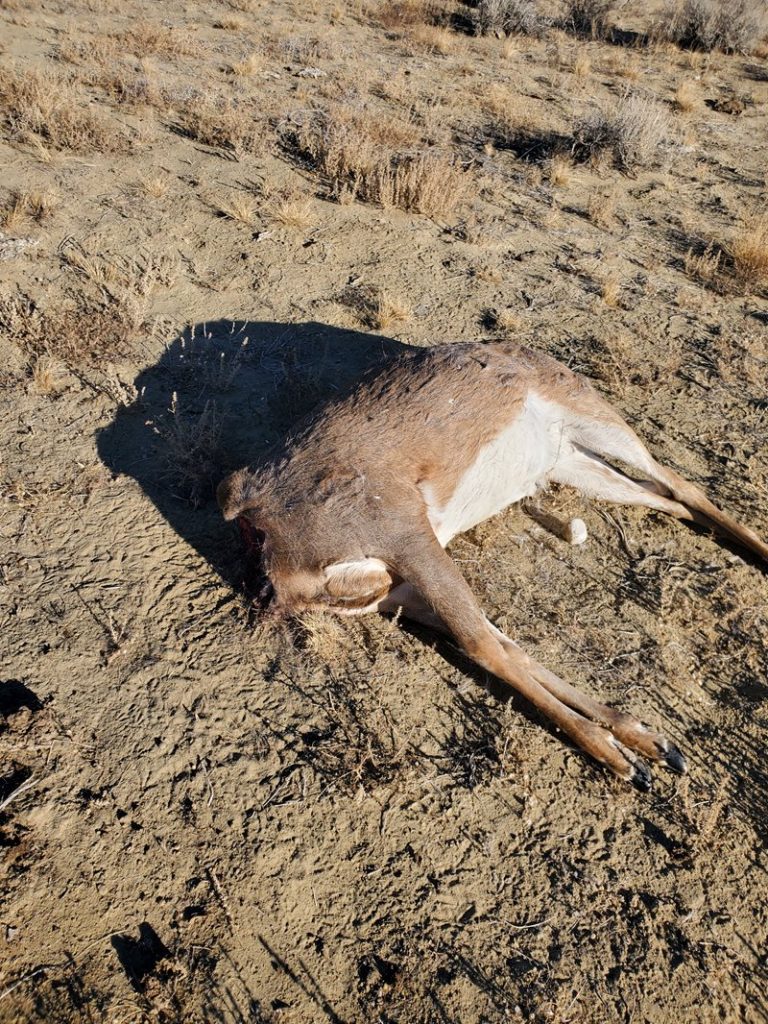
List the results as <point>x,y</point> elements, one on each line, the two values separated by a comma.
<point>80,333</point>
<point>191,453</point>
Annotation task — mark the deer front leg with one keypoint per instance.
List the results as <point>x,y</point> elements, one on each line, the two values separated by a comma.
<point>451,604</point>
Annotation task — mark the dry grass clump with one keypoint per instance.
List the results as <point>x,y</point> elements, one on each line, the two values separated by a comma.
<point>686,97</point>
<point>377,308</point>
<point>45,106</point>
<point>149,37</point>
<point>732,26</point>
<point>587,17</point>
<point>511,17</point>
<point>33,205</point>
<point>250,65</point>
<point>433,39</point>
<point>356,152</point>
<point>749,251</point>
<point>83,332</point>
<point>703,265</point>
<point>239,207</point>
<point>638,132</point>
<point>601,210</point>
<point>220,122</point>
<point>291,210</point>
<point>560,169</point>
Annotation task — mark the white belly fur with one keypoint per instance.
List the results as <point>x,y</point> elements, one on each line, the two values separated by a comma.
<point>509,468</point>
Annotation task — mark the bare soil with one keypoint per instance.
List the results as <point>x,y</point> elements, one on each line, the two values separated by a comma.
<point>212,821</point>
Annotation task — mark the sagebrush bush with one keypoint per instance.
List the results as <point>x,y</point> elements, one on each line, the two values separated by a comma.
<point>638,132</point>
<point>587,17</point>
<point>733,26</point>
<point>513,17</point>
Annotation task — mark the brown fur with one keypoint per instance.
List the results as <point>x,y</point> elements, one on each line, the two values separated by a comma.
<point>347,486</point>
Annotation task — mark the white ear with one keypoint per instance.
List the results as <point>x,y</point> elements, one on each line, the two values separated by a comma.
<point>343,578</point>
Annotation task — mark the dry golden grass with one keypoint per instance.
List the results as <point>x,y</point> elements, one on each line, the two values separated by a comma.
<point>749,251</point>
<point>582,65</point>
<point>559,170</point>
<point>250,65</point>
<point>610,290</point>
<point>434,39</point>
<point>149,37</point>
<point>359,154</point>
<point>389,310</point>
<point>45,380</point>
<point>601,210</point>
<point>34,205</point>
<point>45,106</point>
<point>397,14</point>
<point>230,23</point>
<point>154,185</point>
<point>686,97</point>
<point>239,207</point>
<point>703,266</point>
<point>222,123</point>
<point>375,307</point>
<point>292,211</point>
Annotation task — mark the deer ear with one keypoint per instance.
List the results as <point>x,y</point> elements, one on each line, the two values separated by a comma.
<point>232,494</point>
<point>368,575</point>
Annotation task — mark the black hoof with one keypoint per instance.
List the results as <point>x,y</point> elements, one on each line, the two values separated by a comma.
<point>641,777</point>
<point>675,760</point>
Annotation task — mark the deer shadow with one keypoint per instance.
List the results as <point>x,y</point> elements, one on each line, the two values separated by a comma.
<point>219,396</point>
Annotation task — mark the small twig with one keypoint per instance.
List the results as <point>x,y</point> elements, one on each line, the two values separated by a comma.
<point>25,785</point>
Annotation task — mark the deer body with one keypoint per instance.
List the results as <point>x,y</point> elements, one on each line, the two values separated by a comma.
<point>356,506</point>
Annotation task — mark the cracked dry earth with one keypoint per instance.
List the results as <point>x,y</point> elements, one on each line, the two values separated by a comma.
<point>208,820</point>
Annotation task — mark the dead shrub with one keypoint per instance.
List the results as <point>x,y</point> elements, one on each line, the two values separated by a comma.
<point>637,133</point>
<point>512,17</point>
<point>45,106</point>
<point>32,205</point>
<point>82,332</point>
<point>732,26</point>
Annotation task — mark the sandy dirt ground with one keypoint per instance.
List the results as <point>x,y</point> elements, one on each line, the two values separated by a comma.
<point>208,820</point>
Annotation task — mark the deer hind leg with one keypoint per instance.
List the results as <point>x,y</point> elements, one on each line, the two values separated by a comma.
<point>593,476</point>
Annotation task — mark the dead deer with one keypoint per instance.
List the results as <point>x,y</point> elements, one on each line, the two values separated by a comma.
<point>352,511</point>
